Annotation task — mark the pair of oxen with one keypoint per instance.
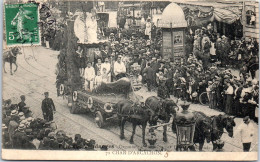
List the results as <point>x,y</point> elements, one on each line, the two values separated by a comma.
<point>155,109</point>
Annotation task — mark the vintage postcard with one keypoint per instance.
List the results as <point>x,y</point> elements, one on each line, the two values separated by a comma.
<point>130,80</point>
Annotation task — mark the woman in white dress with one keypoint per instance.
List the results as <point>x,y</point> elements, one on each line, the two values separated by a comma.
<point>79,28</point>
<point>92,29</point>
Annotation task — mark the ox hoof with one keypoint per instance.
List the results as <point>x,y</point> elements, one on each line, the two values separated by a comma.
<point>145,145</point>
<point>131,142</point>
<point>122,137</point>
<point>165,140</point>
<point>11,73</point>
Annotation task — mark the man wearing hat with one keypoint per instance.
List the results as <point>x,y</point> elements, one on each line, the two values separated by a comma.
<point>19,137</point>
<point>13,125</point>
<point>247,133</point>
<point>54,145</point>
<point>149,75</point>
<point>219,49</point>
<point>229,98</point>
<point>237,96</point>
<point>48,107</point>
<point>21,115</point>
<point>226,50</point>
<point>5,137</point>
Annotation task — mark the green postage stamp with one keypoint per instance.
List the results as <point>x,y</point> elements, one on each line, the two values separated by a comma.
<point>21,24</point>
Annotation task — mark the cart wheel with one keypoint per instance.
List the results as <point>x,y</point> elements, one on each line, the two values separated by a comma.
<point>90,105</point>
<point>99,119</point>
<point>203,98</point>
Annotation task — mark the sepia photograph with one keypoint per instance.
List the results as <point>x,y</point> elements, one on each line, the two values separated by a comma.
<point>130,80</point>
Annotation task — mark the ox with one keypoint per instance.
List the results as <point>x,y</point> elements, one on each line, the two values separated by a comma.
<point>164,109</point>
<point>218,124</point>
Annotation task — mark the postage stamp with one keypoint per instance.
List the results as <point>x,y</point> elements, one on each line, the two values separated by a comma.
<point>21,24</point>
<point>137,80</point>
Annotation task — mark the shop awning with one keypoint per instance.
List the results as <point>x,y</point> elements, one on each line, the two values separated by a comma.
<point>225,16</point>
<point>200,13</point>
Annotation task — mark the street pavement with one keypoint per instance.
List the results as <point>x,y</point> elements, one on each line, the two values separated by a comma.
<point>36,74</point>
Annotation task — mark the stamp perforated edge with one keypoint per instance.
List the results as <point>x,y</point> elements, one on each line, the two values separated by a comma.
<point>5,46</point>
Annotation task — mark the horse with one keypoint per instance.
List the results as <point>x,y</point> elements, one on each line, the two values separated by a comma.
<point>202,129</point>
<point>163,109</point>
<point>10,56</point>
<point>218,124</point>
<point>135,113</point>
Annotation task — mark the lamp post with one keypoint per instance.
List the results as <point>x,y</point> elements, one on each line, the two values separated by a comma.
<point>185,126</point>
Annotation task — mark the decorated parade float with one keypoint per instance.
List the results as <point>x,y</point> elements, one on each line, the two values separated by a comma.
<point>85,31</point>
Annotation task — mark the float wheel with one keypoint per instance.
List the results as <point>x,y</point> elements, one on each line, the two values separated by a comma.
<point>99,120</point>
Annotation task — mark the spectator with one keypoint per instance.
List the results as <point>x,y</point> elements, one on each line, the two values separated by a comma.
<point>21,104</point>
<point>13,125</point>
<point>119,68</point>
<point>247,133</point>
<point>19,137</point>
<point>149,75</point>
<point>229,98</point>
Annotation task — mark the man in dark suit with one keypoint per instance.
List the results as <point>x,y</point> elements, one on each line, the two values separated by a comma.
<point>48,107</point>
<point>149,75</point>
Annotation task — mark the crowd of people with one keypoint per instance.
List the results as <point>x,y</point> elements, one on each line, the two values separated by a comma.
<point>20,130</point>
<point>210,65</point>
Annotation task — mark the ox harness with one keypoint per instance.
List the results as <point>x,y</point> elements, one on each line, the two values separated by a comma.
<point>136,112</point>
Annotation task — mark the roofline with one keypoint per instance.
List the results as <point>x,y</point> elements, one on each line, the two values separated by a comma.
<point>210,4</point>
